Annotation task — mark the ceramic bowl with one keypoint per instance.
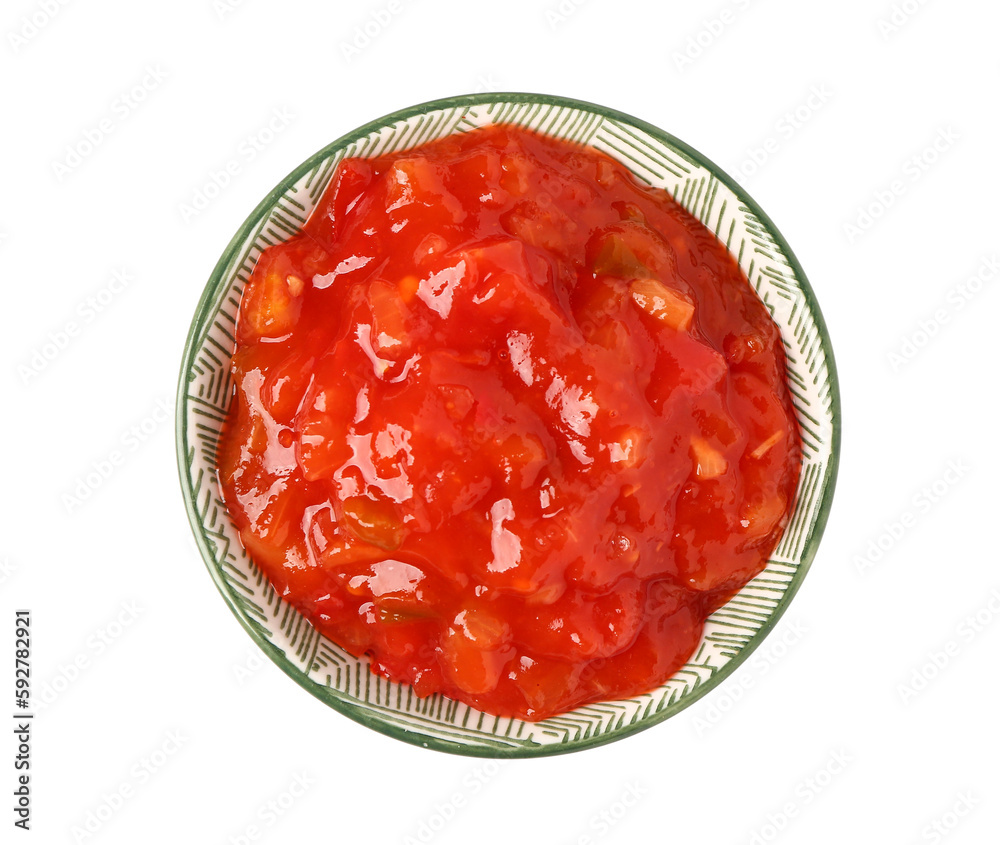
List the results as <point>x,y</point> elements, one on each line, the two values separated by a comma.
<point>345,682</point>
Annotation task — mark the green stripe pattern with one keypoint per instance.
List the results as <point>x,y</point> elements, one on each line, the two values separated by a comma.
<point>346,682</point>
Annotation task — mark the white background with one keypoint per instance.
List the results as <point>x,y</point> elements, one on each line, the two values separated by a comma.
<point>869,715</point>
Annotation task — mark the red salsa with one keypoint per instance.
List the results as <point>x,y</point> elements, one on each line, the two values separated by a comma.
<point>507,422</point>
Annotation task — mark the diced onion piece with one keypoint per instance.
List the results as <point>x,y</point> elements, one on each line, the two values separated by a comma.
<point>376,523</point>
<point>709,462</point>
<point>616,258</point>
<point>391,614</point>
<point>544,227</point>
<point>605,173</point>
<point>760,517</point>
<point>271,307</point>
<point>431,246</point>
<point>474,650</point>
<point>546,595</point>
<point>485,629</point>
<point>388,312</point>
<point>667,305</point>
<point>765,447</point>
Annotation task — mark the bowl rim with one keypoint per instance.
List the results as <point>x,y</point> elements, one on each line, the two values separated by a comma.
<point>218,278</point>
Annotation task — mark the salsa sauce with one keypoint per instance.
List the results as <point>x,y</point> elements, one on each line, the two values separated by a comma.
<point>507,422</point>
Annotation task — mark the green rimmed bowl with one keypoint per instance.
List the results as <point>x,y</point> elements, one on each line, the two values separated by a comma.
<point>347,683</point>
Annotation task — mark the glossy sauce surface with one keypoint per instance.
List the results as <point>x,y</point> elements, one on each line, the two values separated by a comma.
<point>507,422</point>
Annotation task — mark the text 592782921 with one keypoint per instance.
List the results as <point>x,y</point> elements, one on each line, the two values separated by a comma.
<point>23,719</point>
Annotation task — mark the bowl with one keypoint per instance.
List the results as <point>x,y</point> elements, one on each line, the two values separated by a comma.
<point>347,683</point>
